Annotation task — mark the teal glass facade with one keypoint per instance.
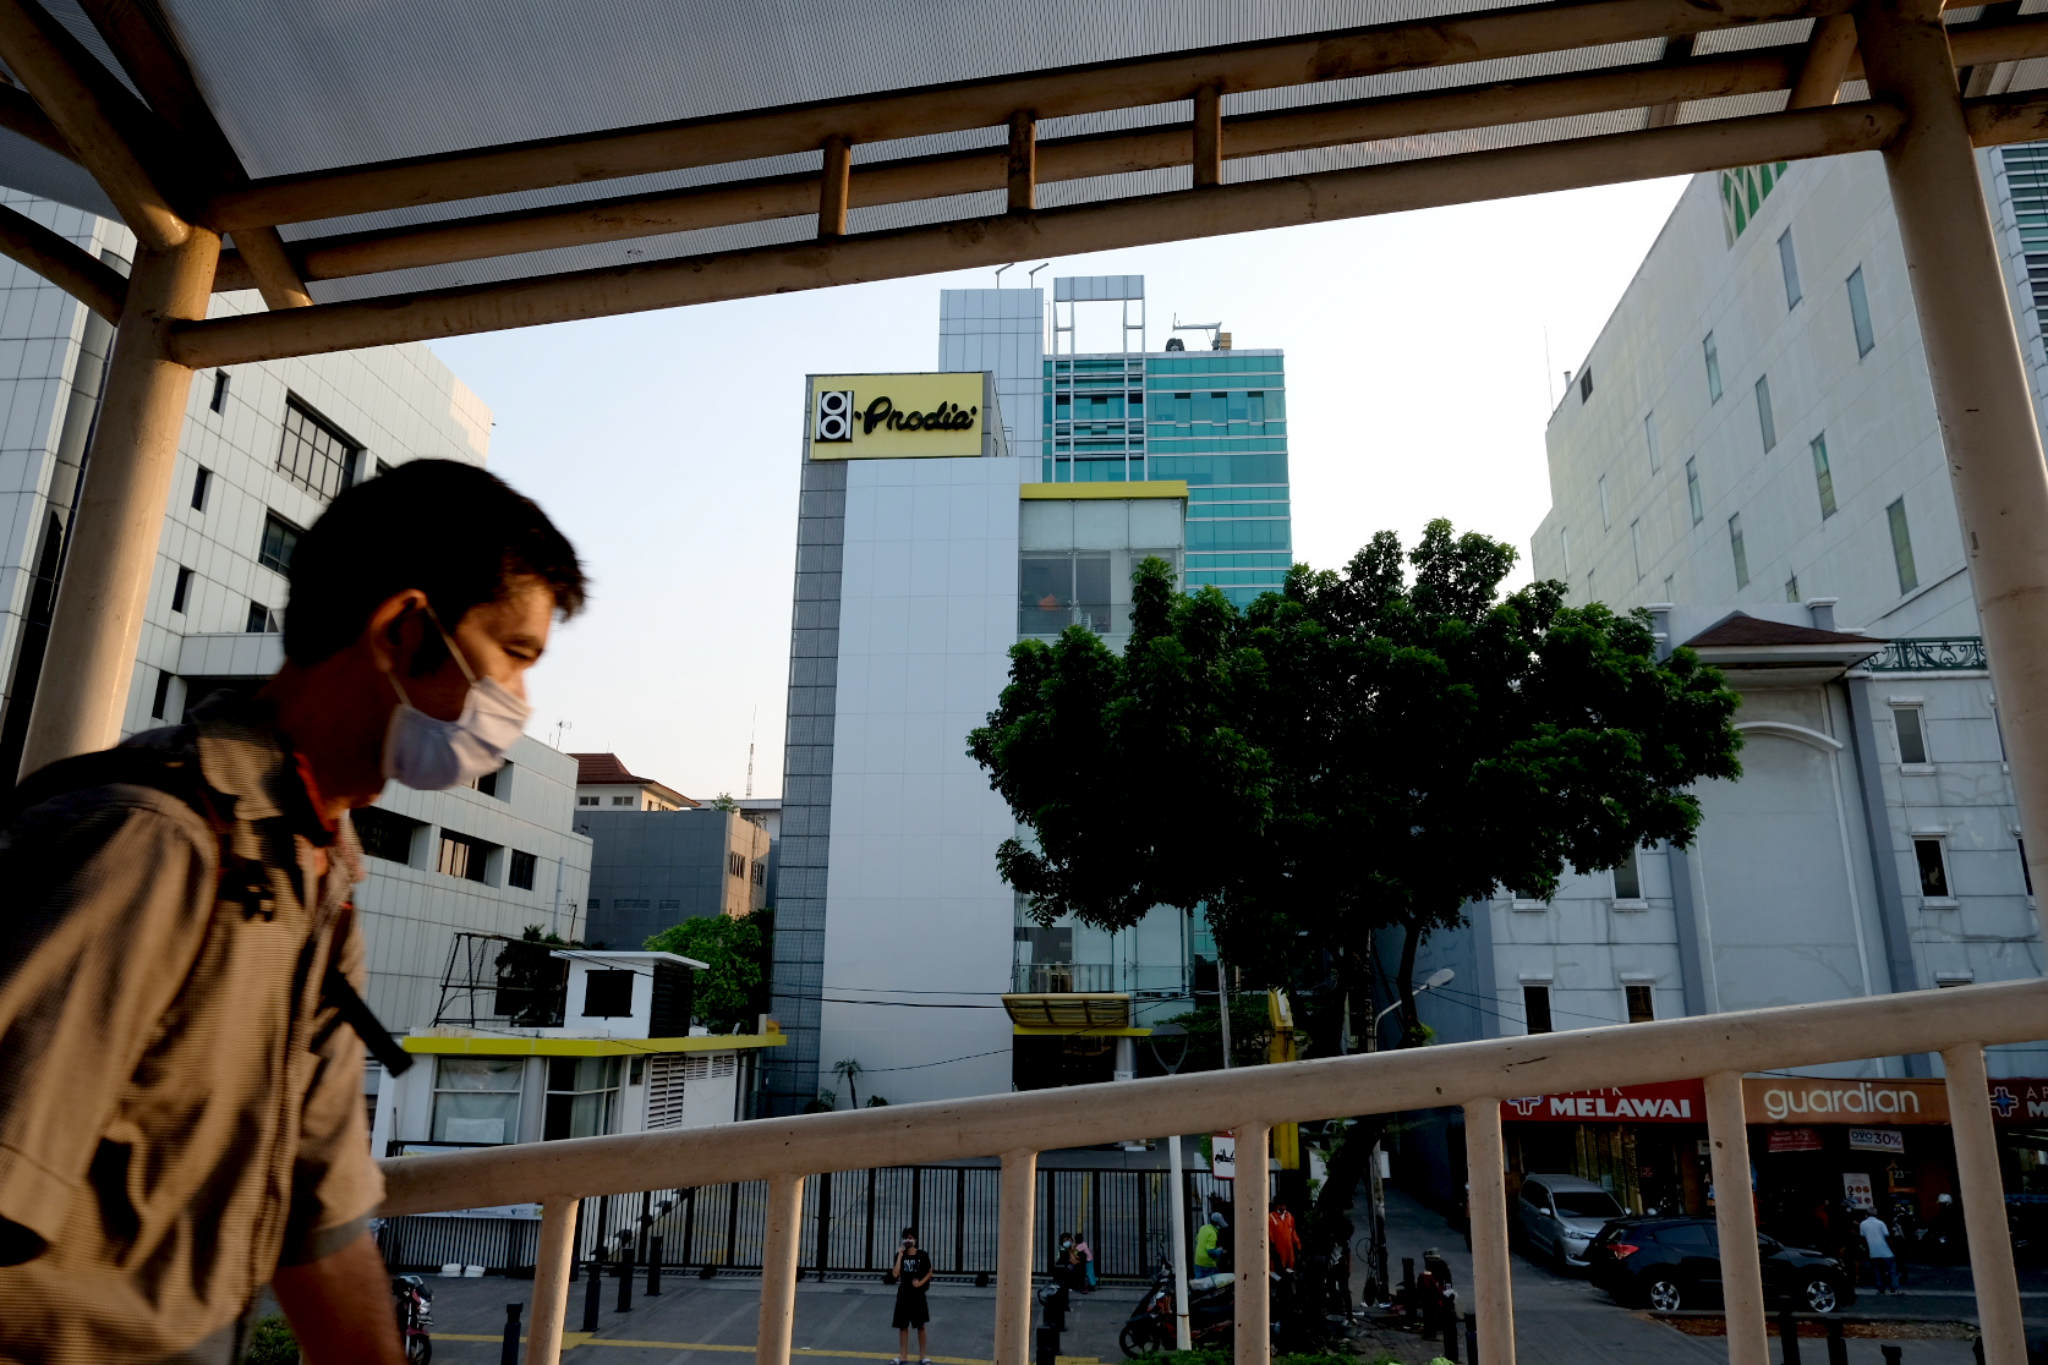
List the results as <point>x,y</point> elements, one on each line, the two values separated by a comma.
<point>1217,419</point>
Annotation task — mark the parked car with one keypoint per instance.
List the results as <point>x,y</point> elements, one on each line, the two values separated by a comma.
<point>1560,1215</point>
<point>1673,1263</point>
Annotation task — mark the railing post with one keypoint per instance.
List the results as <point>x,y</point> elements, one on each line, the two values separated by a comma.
<point>779,1269</point>
<point>1493,1293</point>
<point>654,1267</point>
<point>1742,1292</point>
<point>1998,1290</point>
<point>551,1281</point>
<point>1249,1247</point>
<point>1015,1214</point>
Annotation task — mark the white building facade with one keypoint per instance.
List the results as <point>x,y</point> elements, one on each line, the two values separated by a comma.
<point>264,448</point>
<point>921,560</point>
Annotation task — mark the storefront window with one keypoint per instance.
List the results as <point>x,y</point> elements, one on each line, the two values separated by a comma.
<point>582,1093</point>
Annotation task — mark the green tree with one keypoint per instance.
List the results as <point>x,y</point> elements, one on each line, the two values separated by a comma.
<point>847,1069</point>
<point>730,991</point>
<point>723,801</point>
<point>1369,750</point>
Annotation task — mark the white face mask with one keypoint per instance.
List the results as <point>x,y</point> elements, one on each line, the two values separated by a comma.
<point>433,755</point>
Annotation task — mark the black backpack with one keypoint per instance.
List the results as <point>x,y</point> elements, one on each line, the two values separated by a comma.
<point>242,881</point>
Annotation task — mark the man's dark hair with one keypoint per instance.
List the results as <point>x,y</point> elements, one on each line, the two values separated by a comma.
<point>910,1232</point>
<point>458,534</point>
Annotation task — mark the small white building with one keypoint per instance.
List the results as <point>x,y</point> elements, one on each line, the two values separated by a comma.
<point>577,1044</point>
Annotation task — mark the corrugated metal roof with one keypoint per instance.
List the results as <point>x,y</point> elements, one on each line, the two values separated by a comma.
<point>306,87</point>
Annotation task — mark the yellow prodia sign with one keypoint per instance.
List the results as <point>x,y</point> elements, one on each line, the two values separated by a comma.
<point>895,416</point>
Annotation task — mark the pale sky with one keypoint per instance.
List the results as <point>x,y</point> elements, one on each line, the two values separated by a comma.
<point>666,445</point>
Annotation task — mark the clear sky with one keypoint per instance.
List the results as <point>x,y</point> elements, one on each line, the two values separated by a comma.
<point>1424,352</point>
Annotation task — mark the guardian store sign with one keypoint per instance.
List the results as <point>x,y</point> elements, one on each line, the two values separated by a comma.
<point>1808,1100</point>
<point>898,416</point>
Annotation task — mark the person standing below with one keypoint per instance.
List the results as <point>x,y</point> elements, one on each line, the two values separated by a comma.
<point>181,1037</point>
<point>1884,1266</point>
<point>1280,1233</point>
<point>913,1272</point>
<point>1210,1254</point>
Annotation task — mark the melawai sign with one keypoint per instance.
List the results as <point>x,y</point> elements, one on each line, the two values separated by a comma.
<point>896,416</point>
<point>1665,1102</point>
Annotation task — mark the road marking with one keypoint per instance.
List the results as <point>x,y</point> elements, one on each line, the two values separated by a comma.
<point>572,1340</point>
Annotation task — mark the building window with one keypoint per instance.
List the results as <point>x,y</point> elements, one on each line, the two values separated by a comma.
<point>1792,588</point>
<point>1628,881</point>
<point>760,873</point>
<point>486,785</point>
<point>161,702</point>
<point>736,864</point>
<point>219,401</point>
<point>1902,546</point>
<point>1713,369</point>
<point>1859,314</point>
<point>1789,263</point>
<point>262,620</point>
<point>314,453</point>
<point>1536,1007</point>
<point>1057,591</point>
<point>607,994</point>
<point>519,872</point>
<point>1585,383</point>
<point>181,591</point>
<point>1765,425</point>
<point>1564,548</point>
<point>622,800</point>
<point>476,1099</point>
<point>202,480</point>
<point>280,540</point>
<point>586,800</point>
<point>385,834</point>
<point>1738,550</point>
<point>1912,737</point>
<point>1635,545</point>
<point>1823,477</point>
<point>462,856</point>
<point>581,1094</point>
<point>669,905</point>
<point>1606,519</point>
<point>1650,440</point>
<point>1933,860</point>
<point>1642,1008</point>
<point>1692,491</point>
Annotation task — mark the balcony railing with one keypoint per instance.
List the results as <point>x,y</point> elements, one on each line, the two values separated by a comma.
<point>1043,978</point>
<point>1958,1023</point>
<point>1933,654</point>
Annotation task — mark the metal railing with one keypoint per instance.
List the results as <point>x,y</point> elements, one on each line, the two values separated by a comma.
<point>1045,978</point>
<point>1931,654</point>
<point>1957,1023</point>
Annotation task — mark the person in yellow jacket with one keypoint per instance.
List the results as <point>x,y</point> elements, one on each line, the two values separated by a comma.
<point>1211,1256</point>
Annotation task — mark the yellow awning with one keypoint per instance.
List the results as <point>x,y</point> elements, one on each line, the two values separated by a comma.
<point>1070,1012</point>
<point>507,1045</point>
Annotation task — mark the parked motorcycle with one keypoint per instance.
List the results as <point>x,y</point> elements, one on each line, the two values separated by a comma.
<point>414,1303</point>
<point>1149,1329</point>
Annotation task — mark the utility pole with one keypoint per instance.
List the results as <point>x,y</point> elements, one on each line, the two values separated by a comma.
<point>1223,1006</point>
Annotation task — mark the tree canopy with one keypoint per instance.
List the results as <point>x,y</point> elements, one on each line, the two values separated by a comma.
<point>729,990</point>
<point>1371,747</point>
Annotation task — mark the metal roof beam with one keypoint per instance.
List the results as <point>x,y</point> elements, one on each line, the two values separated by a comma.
<point>1829,51</point>
<point>654,148</point>
<point>1143,220</point>
<point>1677,51</point>
<point>95,113</point>
<point>63,263</point>
<point>1654,86</point>
<point>142,40</point>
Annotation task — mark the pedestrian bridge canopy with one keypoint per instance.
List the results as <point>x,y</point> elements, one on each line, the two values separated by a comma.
<point>380,177</point>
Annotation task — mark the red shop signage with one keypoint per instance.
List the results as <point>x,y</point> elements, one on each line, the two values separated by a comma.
<point>1664,1102</point>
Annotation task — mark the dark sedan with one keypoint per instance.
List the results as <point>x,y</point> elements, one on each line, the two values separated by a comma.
<point>1673,1263</point>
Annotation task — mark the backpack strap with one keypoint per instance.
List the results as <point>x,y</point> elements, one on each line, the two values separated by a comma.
<point>242,881</point>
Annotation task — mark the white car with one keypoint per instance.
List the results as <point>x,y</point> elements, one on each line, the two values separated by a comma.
<point>1560,1215</point>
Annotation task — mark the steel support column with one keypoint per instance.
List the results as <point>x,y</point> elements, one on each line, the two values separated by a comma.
<point>97,625</point>
<point>1980,382</point>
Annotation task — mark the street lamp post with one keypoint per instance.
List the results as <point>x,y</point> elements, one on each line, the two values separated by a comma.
<point>1376,1271</point>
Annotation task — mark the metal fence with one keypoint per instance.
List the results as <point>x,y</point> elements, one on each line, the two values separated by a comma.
<point>852,1222</point>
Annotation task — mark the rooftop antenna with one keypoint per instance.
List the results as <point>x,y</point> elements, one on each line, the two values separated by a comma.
<point>1031,276</point>
<point>1212,328</point>
<point>560,727</point>
<point>752,726</point>
<point>999,273</point>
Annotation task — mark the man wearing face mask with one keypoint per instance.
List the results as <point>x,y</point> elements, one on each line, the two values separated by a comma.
<point>181,1042</point>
